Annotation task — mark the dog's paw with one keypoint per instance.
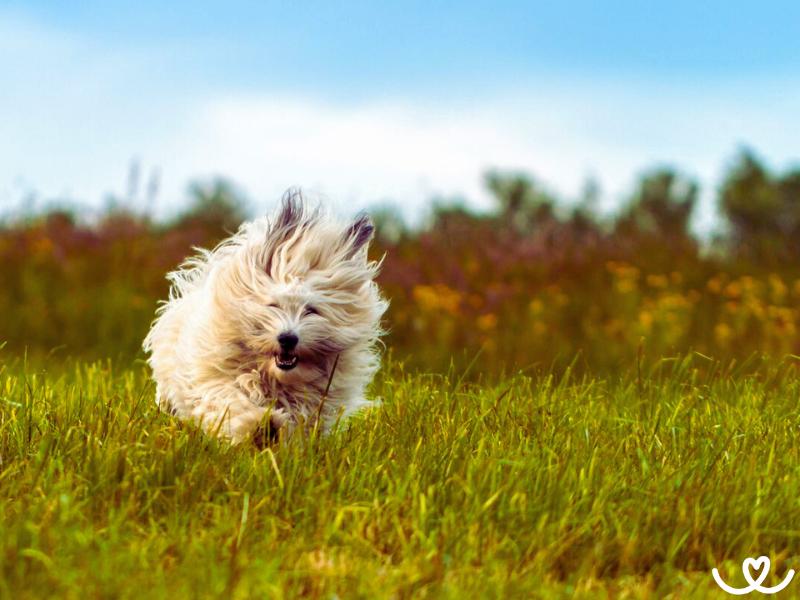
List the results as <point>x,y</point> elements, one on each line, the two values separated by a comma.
<point>268,432</point>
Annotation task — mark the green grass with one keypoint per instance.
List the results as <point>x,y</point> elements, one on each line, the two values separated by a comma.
<point>533,487</point>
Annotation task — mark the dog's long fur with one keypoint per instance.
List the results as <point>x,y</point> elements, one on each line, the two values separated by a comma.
<point>214,347</point>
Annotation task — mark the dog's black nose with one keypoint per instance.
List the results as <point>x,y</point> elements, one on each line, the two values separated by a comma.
<point>288,341</point>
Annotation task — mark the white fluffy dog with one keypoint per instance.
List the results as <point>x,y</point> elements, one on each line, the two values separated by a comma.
<point>277,326</point>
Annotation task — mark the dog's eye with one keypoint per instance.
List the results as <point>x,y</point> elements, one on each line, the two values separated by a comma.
<point>274,305</point>
<point>310,310</point>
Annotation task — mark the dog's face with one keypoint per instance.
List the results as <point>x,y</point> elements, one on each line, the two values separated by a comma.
<point>302,330</point>
<point>304,293</point>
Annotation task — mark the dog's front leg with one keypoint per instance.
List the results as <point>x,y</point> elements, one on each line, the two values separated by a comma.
<point>227,412</point>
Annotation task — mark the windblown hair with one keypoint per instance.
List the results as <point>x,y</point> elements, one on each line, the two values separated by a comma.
<point>254,329</point>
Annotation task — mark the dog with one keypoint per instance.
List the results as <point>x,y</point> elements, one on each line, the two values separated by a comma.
<point>277,326</point>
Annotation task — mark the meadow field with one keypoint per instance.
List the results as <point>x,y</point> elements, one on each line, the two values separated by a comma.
<point>571,405</point>
<point>534,486</point>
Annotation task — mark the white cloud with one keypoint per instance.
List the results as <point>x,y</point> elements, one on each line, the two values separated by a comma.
<point>408,152</point>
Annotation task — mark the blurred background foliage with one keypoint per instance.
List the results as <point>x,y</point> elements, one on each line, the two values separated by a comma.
<point>530,283</point>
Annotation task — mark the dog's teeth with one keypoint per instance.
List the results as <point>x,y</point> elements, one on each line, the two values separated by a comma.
<point>286,362</point>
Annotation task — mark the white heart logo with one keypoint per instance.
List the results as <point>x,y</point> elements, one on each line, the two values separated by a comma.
<point>760,565</point>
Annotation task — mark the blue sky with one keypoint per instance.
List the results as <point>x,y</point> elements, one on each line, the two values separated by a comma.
<point>365,102</point>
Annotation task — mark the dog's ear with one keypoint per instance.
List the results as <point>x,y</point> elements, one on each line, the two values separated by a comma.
<point>291,212</point>
<point>358,235</point>
<point>291,215</point>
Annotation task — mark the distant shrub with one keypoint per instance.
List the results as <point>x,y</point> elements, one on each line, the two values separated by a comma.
<point>524,285</point>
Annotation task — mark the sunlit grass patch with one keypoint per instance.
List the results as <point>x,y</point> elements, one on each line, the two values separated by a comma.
<point>538,484</point>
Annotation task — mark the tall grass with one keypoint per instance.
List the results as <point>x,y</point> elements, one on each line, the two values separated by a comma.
<point>535,486</point>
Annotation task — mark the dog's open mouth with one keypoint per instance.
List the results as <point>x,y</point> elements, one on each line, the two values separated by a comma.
<point>286,361</point>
